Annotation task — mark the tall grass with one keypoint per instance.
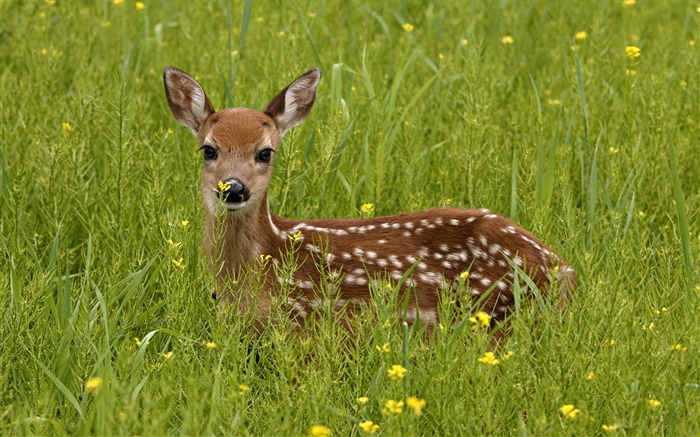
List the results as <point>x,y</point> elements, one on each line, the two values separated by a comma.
<point>107,322</point>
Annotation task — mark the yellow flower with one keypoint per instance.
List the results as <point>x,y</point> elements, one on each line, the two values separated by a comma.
<point>66,127</point>
<point>173,244</point>
<point>392,407</point>
<point>683,84</point>
<point>489,358</point>
<point>629,2</point>
<point>223,186</point>
<point>569,411</point>
<point>50,2</point>
<point>362,400</point>
<point>416,405</point>
<point>140,6</point>
<point>319,431</point>
<point>296,237</point>
<point>441,56</point>
<point>464,276</point>
<point>396,372</point>
<point>613,150</point>
<point>179,263</point>
<point>210,345</point>
<point>366,208</point>
<point>554,102</point>
<point>369,427</point>
<point>243,389</point>
<point>507,39</point>
<point>609,428</point>
<point>117,2</point>
<point>611,342</point>
<point>649,327</point>
<point>93,384</point>
<point>630,72</point>
<point>168,355</point>
<point>633,52</point>
<point>184,223</point>
<point>590,375</point>
<point>137,341</point>
<point>580,36</point>
<point>508,355</point>
<point>383,348</point>
<point>408,27</point>
<point>265,258</point>
<point>679,347</point>
<point>464,42</point>
<point>653,403</point>
<point>481,319</point>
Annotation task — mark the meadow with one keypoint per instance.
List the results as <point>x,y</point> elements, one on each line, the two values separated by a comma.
<point>579,120</point>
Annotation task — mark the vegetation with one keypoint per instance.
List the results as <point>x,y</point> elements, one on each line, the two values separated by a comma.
<point>578,120</point>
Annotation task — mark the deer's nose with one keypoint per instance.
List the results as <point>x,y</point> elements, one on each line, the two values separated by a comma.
<point>234,191</point>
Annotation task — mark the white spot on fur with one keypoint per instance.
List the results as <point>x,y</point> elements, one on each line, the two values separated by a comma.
<point>454,222</point>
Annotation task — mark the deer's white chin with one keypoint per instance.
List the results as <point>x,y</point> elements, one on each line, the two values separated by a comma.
<point>235,206</point>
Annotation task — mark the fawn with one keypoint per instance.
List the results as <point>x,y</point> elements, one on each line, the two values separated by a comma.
<point>241,234</point>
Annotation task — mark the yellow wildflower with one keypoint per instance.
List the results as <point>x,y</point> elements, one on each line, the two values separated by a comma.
<point>609,428</point>
<point>507,39</point>
<point>653,403</point>
<point>243,389</point>
<point>464,276</point>
<point>649,327</point>
<point>66,126</point>
<point>50,2</point>
<point>580,36</point>
<point>590,375</point>
<point>679,347</point>
<point>508,355</point>
<point>137,341</point>
<point>296,237</point>
<point>180,263</point>
<point>554,102</point>
<point>683,84</point>
<point>210,345</point>
<point>613,150</point>
<point>408,27</point>
<point>489,358</point>
<point>383,348</point>
<point>416,405</point>
<point>464,42</point>
<point>481,319</point>
<point>93,384</point>
<point>610,342</point>
<point>173,244</point>
<point>184,223</point>
<point>168,355</point>
<point>362,400</point>
<point>369,427</point>
<point>366,208</point>
<point>569,411</point>
<point>223,185</point>
<point>396,372</point>
<point>140,6</point>
<point>265,258</point>
<point>117,2</point>
<point>319,431</point>
<point>630,72</point>
<point>633,52</point>
<point>629,2</point>
<point>441,56</point>
<point>392,407</point>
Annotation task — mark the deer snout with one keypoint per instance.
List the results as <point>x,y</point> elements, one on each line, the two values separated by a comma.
<point>233,191</point>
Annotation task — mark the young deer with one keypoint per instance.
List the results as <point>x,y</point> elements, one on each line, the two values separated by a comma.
<point>241,233</point>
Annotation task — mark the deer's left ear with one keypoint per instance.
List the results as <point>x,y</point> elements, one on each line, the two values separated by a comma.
<point>291,106</point>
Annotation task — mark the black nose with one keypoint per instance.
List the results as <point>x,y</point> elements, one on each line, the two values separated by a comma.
<point>235,191</point>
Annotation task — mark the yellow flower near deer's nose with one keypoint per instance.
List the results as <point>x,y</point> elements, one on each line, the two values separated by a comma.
<point>319,431</point>
<point>416,405</point>
<point>569,411</point>
<point>396,372</point>
<point>223,186</point>
<point>93,384</point>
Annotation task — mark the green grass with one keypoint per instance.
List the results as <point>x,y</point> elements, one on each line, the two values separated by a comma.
<point>594,153</point>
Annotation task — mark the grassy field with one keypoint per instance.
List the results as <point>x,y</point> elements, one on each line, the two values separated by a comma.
<point>534,109</point>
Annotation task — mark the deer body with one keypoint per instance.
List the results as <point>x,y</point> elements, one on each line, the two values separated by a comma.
<point>241,234</point>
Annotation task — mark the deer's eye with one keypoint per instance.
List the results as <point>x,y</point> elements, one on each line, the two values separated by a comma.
<point>264,155</point>
<point>209,153</point>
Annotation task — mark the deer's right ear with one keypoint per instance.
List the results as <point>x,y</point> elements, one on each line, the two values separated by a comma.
<point>187,100</point>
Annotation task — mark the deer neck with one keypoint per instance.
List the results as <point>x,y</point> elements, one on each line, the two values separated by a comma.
<point>236,239</point>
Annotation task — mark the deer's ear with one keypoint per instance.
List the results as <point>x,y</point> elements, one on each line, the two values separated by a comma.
<point>187,100</point>
<point>291,106</point>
